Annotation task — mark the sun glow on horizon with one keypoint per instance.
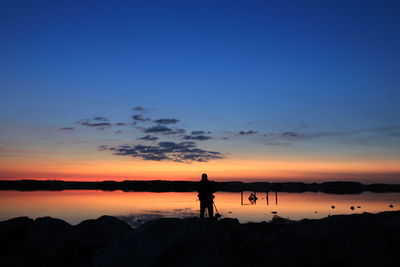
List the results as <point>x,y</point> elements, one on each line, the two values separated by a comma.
<point>225,169</point>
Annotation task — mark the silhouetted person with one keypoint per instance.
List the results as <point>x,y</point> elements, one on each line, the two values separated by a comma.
<point>206,189</point>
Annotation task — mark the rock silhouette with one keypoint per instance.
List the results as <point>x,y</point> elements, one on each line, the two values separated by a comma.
<point>340,240</point>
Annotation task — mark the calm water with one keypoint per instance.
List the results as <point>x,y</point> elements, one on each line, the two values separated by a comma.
<point>135,207</point>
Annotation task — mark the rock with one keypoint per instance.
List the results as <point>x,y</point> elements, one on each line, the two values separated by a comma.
<point>279,219</point>
<point>169,242</point>
<point>391,206</point>
<point>332,207</point>
<point>12,233</point>
<point>274,212</point>
<point>229,222</point>
<point>46,238</point>
<point>339,240</point>
<point>54,242</point>
<point>352,208</point>
<point>95,233</point>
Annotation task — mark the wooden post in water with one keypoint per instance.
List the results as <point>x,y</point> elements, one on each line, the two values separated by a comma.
<point>267,198</point>
<point>276,198</point>
<point>241,198</point>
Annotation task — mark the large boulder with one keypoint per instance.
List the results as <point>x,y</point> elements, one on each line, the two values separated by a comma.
<point>96,233</point>
<point>169,242</point>
<point>344,240</point>
<point>55,242</point>
<point>47,238</point>
<point>12,232</point>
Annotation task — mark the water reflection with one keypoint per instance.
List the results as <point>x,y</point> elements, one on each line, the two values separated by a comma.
<point>253,198</point>
<point>136,207</point>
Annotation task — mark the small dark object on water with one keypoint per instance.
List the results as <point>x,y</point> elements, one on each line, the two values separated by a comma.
<point>391,206</point>
<point>253,197</point>
<point>274,212</point>
<point>352,207</point>
<point>229,211</point>
<point>358,207</point>
<point>332,207</point>
<point>315,211</point>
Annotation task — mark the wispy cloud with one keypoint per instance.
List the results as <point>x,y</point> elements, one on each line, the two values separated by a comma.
<point>277,143</point>
<point>166,121</point>
<point>160,129</point>
<point>141,109</point>
<point>100,119</point>
<point>197,137</point>
<point>200,132</point>
<point>67,129</point>
<point>148,138</point>
<point>303,125</point>
<point>140,118</point>
<point>247,132</point>
<point>94,123</point>
<point>290,135</point>
<point>165,151</point>
<point>382,131</point>
<point>122,124</point>
<point>357,136</point>
<point>395,134</point>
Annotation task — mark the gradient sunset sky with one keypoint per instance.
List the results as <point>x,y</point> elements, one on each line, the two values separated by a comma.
<point>242,90</point>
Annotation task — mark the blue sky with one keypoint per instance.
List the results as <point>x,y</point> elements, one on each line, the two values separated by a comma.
<point>314,68</point>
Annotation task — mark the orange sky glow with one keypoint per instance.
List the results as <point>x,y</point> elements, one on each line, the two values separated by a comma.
<point>226,169</point>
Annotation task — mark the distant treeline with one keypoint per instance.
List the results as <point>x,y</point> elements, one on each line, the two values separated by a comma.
<point>190,186</point>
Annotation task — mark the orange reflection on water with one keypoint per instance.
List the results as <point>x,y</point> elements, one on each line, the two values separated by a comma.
<point>77,205</point>
<point>316,205</point>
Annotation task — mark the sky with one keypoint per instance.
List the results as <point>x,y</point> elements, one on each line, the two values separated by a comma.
<point>241,90</point>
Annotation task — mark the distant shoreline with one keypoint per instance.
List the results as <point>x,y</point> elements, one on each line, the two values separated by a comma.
<point>338,187</point>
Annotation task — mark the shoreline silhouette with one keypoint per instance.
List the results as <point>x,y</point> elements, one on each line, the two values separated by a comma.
<point>335,187</point>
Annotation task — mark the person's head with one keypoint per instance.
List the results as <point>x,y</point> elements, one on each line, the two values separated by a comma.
<point>204,176</point>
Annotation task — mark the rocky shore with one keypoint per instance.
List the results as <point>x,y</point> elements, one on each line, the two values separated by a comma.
<point>342,240</point>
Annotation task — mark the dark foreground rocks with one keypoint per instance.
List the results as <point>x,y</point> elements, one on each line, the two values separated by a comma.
<point>347,240</point>
<point>53,242</point>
